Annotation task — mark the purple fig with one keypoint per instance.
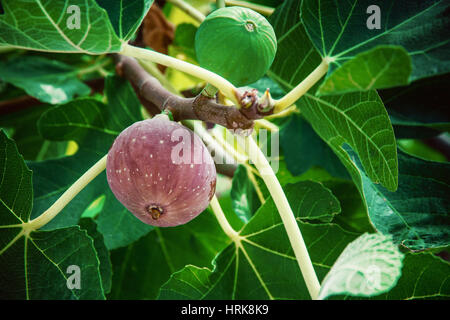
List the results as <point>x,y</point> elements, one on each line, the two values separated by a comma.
<point>161,172</point>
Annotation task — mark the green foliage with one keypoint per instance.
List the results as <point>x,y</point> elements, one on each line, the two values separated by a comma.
<point>63,29</point>
<point>374,216</point>
<point>420,109</point>
<point>244,196</point>
<point>141,268</point>
<point>125,16</point>
<point>102,252</point>
<point>358,119</point>
<point>16,194</point>
<point>368,266</point>
<point>361,121</point>
<point>339,30</point>
<point>299,132</point>
<point>419,149</point>
<point>377,68</point>
<point>25,133</point>
<point>423,276</point>
<point>261,265</point>
<point>47,80</point>
<point>53,33</point>
<point>25,257</point>
<point>416,215</point>
<point>185,38</point>
<point>293,62</point>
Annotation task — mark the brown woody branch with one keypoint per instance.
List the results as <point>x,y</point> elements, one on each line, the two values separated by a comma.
<point>155,98</point>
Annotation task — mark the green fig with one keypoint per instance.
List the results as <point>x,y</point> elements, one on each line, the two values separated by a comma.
<point>237,43</point>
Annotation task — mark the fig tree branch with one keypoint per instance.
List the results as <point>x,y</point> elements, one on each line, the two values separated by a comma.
<point>156,98</point>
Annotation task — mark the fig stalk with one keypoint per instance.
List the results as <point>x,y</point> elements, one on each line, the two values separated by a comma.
<point>67,196</point>
<point>223,222</point>
<point>286,214</point>
<point>292,96</point>
<point>227,88</point>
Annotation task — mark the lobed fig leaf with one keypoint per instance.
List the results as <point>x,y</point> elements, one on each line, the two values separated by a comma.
<point>237,43</point>
<point>161,172</point>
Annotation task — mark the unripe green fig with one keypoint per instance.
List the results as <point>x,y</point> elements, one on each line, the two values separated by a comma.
<point>237,43</point>
<point>161,172</point>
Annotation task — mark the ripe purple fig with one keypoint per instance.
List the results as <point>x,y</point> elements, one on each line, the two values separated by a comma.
<point>161,172</point>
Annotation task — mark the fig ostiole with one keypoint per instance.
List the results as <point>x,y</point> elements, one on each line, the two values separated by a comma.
<point>237,43</point>
<point>161,172</point>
